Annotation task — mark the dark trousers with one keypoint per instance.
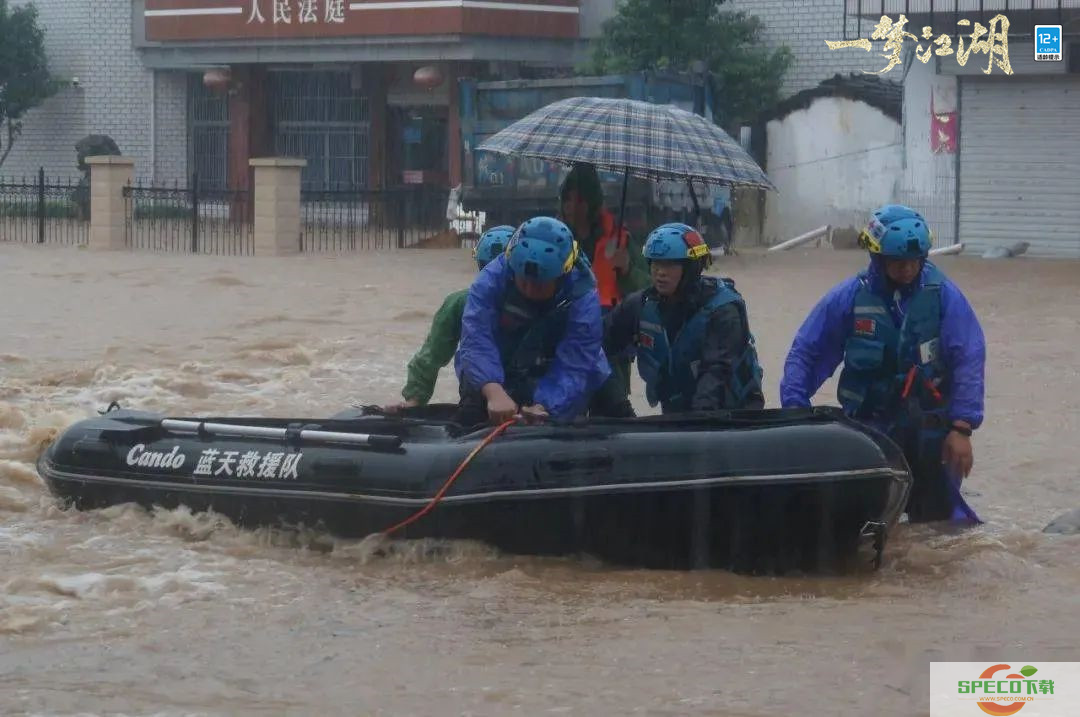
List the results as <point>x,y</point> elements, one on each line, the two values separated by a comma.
<point>931,498</point>
<point>612,399</point>
<point>472,408</point>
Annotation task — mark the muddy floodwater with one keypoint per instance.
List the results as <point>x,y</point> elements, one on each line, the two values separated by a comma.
<point>125,611</point>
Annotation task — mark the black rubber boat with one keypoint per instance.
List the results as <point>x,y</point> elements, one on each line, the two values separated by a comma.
<point>768,491</point>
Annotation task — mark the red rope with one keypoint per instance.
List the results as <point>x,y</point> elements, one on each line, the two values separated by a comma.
<point>450,481</point>
<point>907,383</point>
<point>929,385</point>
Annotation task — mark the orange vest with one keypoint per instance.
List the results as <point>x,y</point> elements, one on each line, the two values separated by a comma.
<point>607,284</point>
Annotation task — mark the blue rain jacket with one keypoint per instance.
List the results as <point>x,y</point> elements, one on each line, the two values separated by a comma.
<point>818,347</point>
<point>579,365</point>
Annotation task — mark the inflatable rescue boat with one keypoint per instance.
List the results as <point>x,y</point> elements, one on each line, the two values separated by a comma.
<point>768,491</point>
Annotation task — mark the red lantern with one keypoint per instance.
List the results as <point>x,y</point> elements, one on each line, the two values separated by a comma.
<point>216,80</point>
<point>429,77</point>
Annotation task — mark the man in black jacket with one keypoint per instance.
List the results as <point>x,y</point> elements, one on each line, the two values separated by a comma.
<point>695,351</point>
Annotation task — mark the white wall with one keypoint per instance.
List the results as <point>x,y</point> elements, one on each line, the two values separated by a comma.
<point>929,180</point>
<point>832,163</point>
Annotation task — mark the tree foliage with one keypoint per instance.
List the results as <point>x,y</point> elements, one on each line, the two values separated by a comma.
<point>673,34</point>
<point>25,81</point>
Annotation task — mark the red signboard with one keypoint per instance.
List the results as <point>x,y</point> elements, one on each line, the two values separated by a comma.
<point>169,20</point>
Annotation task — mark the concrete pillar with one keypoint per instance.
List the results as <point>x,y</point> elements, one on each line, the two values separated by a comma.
<point>277,205</point>
<point>249,123</point>
<point>108,210</point>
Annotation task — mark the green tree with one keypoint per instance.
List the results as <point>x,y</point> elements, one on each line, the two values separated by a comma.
<point>25,81</point>
<point>673,34</point>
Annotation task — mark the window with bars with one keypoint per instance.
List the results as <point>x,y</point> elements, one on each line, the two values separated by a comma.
<point>320,117</point>
<point>208,134</point>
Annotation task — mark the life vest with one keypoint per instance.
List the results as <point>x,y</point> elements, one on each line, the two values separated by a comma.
<point>603,260</point>
<point>670,368</point>
<point>890,371</point>
<point>530,332</point>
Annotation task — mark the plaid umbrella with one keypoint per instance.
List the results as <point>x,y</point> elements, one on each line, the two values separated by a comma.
<point>639,138</point>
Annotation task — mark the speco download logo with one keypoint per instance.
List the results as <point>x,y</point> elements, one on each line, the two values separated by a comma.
<point>1043,689</point>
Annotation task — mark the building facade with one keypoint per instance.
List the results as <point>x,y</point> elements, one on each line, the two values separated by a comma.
<point>136,71</point>
<point>362,89</point>
<point>992,154</point>
<point>989,157</point>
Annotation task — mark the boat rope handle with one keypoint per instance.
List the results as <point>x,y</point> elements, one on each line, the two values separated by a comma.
<point>450,481</point>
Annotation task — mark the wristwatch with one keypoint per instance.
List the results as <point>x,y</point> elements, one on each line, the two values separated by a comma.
<point>962,430</point>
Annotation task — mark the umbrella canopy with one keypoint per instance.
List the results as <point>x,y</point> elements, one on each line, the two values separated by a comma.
<point>643,139</point>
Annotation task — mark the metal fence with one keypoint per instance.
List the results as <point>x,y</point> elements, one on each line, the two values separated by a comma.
<point>45,210</point>
<point>353,219</point>
<point>188,219</point>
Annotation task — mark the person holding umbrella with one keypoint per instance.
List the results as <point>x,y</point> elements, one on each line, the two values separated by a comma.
<point>619,269</point>
<point>617,264</point>
<point>691,333</point>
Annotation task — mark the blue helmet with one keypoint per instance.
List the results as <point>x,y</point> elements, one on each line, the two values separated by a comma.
<point>543,249</point>
<point>675,242</point>
<point>898,232</point>
<point>492,243</point>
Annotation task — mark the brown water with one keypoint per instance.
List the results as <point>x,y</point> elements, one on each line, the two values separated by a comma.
<point>125,612</point>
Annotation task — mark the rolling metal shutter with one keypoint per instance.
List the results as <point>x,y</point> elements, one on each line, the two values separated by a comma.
<point>1020,163</point>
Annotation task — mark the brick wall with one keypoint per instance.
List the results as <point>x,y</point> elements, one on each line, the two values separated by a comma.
<point>118,91</point>
<point>171,127</point>
<point>93,42</point>
<point>804,25</point>
<point>51,130</point>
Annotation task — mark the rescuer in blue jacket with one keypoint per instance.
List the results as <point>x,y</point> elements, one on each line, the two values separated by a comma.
<point>694,348</point>
<point>531,333</point>
<point>913,354</point>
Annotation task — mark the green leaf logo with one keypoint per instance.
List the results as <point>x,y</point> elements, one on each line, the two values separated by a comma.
<point>1028,671</point>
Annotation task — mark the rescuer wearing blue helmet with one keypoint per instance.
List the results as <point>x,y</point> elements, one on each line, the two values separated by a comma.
<point>913,357</point>
<point>695,351</point>
<point>531,332</point>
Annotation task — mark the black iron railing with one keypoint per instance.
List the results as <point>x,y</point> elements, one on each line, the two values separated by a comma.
<point>45,210</point>
<point>188,219</point>
<point>349,219</point>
